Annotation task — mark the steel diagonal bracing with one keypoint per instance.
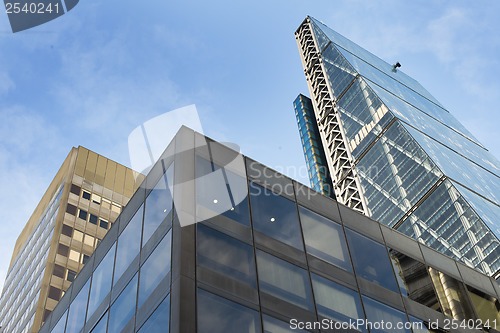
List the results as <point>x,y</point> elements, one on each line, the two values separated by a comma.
<point>340,162</point>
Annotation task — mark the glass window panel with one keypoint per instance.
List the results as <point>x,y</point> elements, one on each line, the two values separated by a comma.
<point>129,243</point>
<point>377,312</point>
<point>422,121</point>
<point>155,268</point>
<point>395,173</point>
<point>363,116</point>
<point>83,214</point>
<point>101,325</point>
<point>324,239</point>
<point>336,302</point>
<point>220,192</point>
<point>59,328</point>
<point>273,325</point>
<point>284,280</point>
<point>275,216</point>
<point>158,204</point>
<point>368,64</point>
<point>101,281</point>
<point>159,320</point>
<point>103,224</point>
<point>452,295</point>
<point>487,307</point>
<point>486,237</point>
<point>77,309</point>
<point>86,195</point>
<point>453,165</point>
<point>219,315</point>
<point>225,255</point>
<point>413,279</point>
<point>371,261</point>
<point>123,308</point>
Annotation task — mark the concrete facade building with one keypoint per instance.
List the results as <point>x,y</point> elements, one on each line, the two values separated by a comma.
<point>75,213</point>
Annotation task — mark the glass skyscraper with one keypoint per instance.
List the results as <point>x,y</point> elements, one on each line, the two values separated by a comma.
<point>397,155</point>
<point>281,258</point>
<point>312,146</point>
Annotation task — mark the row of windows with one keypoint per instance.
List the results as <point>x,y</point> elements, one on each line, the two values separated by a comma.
<point>137,291</point>
<point>110,272</point>
<point>222,193</point>
<point>28,261</point>
<point>276,216</point>
<point>72,254</point>
<point>87,217</point>
<point>95,198</point>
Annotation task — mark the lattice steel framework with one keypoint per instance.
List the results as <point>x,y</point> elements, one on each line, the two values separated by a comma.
<point>339,159</point>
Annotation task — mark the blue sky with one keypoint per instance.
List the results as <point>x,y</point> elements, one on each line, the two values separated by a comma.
<point>91,76</point>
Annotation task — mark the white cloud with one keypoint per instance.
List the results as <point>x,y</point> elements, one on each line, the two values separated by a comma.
<point>6,83</point>
<point>25,138</point>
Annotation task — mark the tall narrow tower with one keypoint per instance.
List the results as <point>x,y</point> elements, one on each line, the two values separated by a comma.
<point>79,207</point>
<point>397,155</point>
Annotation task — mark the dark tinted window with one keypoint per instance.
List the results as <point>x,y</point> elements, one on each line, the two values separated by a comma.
<point>336,302</point>
<point>63,250</point>
<point>220,192</point>
<point>371,261</point>
<point>83,214</point>
<point>71,275</point>
<point>225,255</point>
<point>59,271</point>
<point>103,224</point>
<point>75,189</point>
<point>284,280</point>
<point>54,293</point>
<point>275,216</point>
<point>220,315</point>
<point>377,313</point>
<point>86,195</point>
<point>67,230</point>
<point>71,209</point>
<point>93,219</point>
<point>325,239</point>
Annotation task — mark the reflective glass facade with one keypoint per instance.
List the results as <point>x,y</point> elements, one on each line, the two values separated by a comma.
<point>247,274</point>
<point>404,157</point>
<point>313,148</point>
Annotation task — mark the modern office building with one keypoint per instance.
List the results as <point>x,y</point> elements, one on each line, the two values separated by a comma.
<point>397,155</point>
<point>314,153</point>
<point>79,207</point>
<point>285,258</point>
